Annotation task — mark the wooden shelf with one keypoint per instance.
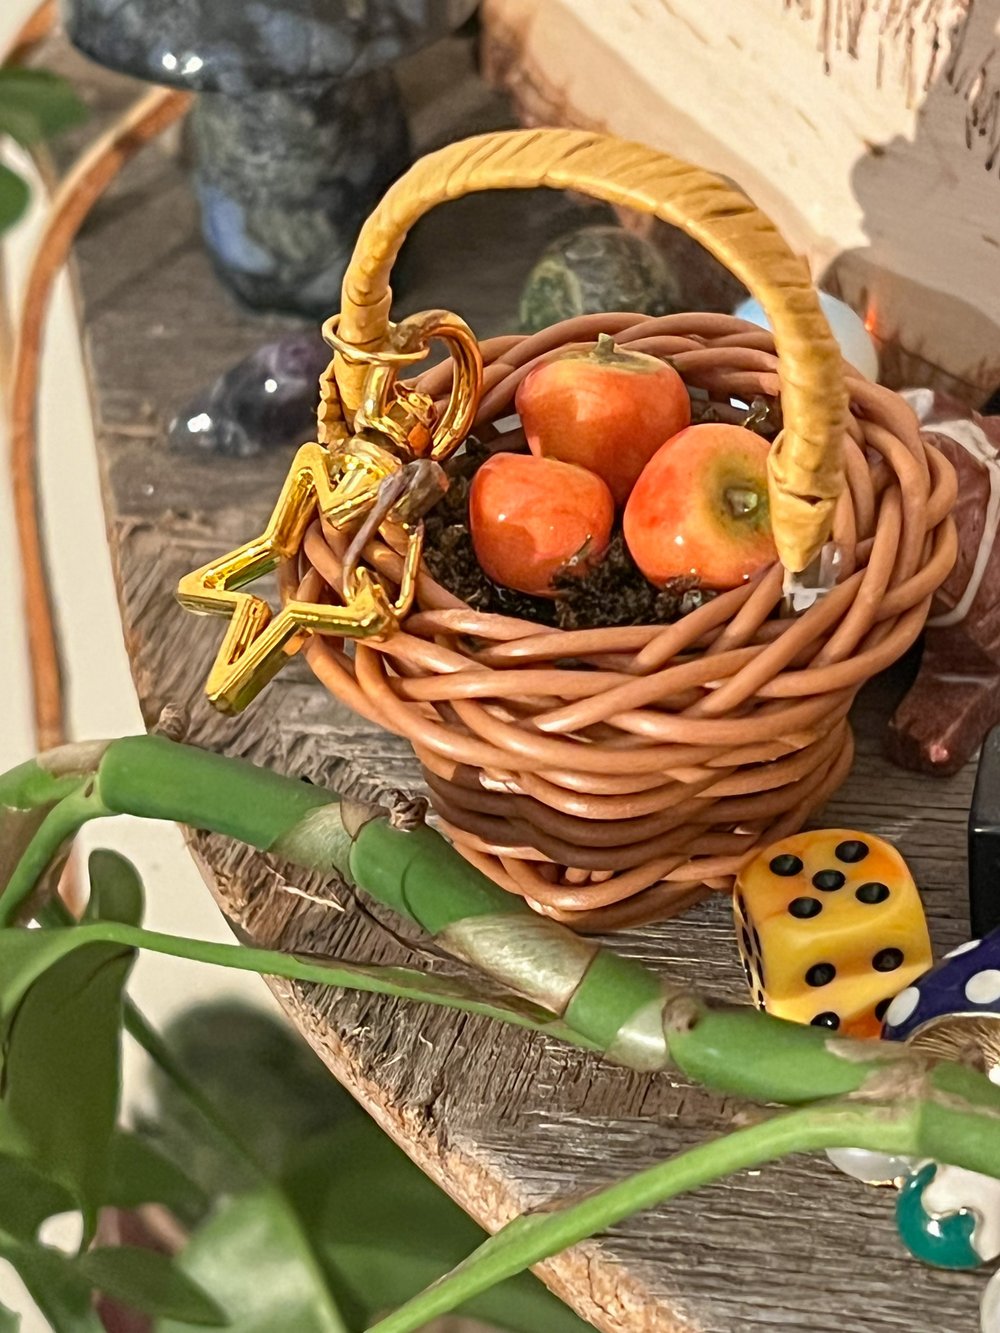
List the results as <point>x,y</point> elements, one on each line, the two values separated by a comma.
<point>503,1120</point>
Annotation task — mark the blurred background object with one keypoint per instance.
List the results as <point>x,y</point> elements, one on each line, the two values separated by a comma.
<point>872,141</point>
<point>266,401</point>
<point>846,325</point>
<point>373,1230</point>
<point>299,128</point>
<point>598,268</point>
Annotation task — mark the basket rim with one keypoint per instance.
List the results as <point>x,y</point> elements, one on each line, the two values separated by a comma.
<point>629,328</point>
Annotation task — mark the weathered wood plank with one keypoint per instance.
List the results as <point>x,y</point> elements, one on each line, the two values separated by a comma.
<point>501,1119</point>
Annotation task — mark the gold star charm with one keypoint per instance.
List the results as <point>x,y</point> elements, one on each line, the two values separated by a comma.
<point>256,643</point>
<point>362,482</point>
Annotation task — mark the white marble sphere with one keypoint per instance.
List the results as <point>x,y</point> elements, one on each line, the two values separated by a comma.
<point>846,325</point>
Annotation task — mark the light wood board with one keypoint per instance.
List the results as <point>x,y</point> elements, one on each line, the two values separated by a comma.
<point>868,129</point>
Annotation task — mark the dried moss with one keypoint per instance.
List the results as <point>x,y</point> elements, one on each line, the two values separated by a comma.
<point>614,593</point>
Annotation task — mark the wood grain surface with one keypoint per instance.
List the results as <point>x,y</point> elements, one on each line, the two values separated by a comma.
<point>503,1120</point>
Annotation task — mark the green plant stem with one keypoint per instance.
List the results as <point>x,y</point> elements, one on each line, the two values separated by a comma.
<point>606,1002</point>
<point>29,786</point>
<point>537,1236</point>
<point>51,776</point>
<point>61,824</point>
<point>156,778</point>
<point>404,983</point>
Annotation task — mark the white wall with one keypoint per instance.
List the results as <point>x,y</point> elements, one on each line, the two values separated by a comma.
<point>101,700</point>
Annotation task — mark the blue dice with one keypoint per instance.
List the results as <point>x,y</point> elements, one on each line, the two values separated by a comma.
<point>953,1006</point>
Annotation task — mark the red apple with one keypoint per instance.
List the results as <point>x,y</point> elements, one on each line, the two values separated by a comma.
<point>606,409</point>
<point>532,518</point>
<point>700,508</point>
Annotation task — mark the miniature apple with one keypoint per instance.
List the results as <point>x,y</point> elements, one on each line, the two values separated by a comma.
<point>606,409</point>
<point>700,508</point>
<point>533,518</point>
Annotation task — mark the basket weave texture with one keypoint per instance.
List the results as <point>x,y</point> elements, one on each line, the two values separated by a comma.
<point>615,776</point>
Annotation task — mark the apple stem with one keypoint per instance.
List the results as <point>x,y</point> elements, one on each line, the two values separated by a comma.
<point>606,346</point>
<point>741,501</point>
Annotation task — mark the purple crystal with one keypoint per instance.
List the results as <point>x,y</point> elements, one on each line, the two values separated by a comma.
<point>266,401</point>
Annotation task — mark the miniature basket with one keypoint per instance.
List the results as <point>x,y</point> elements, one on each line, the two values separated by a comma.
<point>615,776</point>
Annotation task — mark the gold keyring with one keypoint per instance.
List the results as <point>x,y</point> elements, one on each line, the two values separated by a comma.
<point>382,355</point>
<point>408,416</point>
<point>460,411</point>
<point>341,476</point>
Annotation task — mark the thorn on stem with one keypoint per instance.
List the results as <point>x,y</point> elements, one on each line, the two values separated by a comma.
<point>172,723</point>
<point>406,812</point>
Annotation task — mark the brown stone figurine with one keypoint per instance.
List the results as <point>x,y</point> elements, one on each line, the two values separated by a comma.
<point>955,700</point>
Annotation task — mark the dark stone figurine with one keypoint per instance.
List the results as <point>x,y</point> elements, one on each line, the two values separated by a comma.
<point>955,699</point>
<point>300,127</point>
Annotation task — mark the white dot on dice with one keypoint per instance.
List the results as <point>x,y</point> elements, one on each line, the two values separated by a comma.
<point>984,987</point>
<point>964,948</point>
<point>902,1006</point>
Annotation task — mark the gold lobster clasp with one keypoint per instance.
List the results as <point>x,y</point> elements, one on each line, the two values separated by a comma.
<point>380,478</point>
<point>405,415</point>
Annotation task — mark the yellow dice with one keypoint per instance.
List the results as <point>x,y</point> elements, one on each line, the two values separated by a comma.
<point>830,927</point>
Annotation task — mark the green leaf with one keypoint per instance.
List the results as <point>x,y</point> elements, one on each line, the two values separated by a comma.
<point>9,1321</point>
<point>209,1124</point>
<point>116,892</point>
<point>14,196</point>
<point>255,1260</point>
<point>358,1196</point>
<point>60,1292</point>
<point>139,1174</point>
<point>61,1072</point>
<point>25,956</point>
<point>12,1141</point>
<point>36,104</point>
<point>259,1076</point>
<point>355,1193</point>
<point>151,1283</point>
<point>27,1197</point>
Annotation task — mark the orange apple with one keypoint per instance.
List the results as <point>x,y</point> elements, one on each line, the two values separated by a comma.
<point>700,508</point>
<point>532,518</point>
<point>606,409</point>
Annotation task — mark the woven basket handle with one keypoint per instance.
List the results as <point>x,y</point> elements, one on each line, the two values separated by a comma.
<point>805,466</point>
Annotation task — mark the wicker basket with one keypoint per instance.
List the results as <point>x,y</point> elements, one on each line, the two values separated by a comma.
<point>614,776</point>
